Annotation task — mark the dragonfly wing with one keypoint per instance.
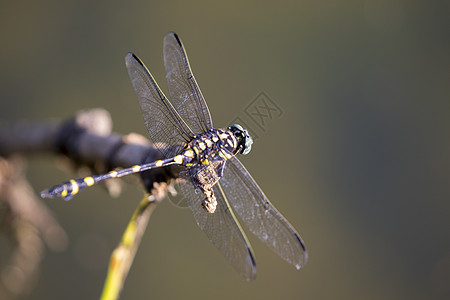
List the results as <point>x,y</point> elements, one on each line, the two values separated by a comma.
<point>221,228</point>
<point>261,217</point>
<point>183,88</point>
<point>164,124</point>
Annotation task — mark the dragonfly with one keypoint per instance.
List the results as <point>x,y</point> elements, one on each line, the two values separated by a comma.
<point>215,185</point>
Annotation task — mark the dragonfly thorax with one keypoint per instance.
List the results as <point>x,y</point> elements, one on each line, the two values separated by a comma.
<point>213,145</point>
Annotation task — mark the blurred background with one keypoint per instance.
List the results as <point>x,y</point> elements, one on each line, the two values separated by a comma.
<point>356,156</point>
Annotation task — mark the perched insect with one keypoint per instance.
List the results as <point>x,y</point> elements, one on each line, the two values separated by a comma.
<point>215,183</point>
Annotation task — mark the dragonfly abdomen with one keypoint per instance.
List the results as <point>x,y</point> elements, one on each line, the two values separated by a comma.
<point>70,188</point>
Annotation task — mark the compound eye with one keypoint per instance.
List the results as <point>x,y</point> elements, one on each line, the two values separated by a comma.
<point>247,142</point>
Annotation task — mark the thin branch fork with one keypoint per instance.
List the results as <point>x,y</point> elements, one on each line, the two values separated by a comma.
<point>29,225</point>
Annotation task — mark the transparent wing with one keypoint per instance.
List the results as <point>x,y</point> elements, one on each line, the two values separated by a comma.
<point>221,228</point>
<point>163,122</point>
<point>177,199</point>
<point>261,217</point>
<point>183,88</point>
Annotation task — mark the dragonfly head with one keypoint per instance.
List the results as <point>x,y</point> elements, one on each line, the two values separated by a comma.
<point>245,141</point>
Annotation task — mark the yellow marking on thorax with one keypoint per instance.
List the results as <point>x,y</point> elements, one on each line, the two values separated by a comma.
<point>221,155</point>
<point>75,187</point>
<point>89,181</point>
<point>113,174</point>
<point>223,136</point>
<point>64,192</point>
<point>189,153</point>
<point>231,142</point>
<point>208,143</point>
<point>195,149</point>
<point>178,159</point>
<point>159,163</point>
<point>224,154</point>
<point>205,161</point>
<point>136,168</point>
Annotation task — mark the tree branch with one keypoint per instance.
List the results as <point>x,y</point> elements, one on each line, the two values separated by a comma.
<point>86,140</point>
